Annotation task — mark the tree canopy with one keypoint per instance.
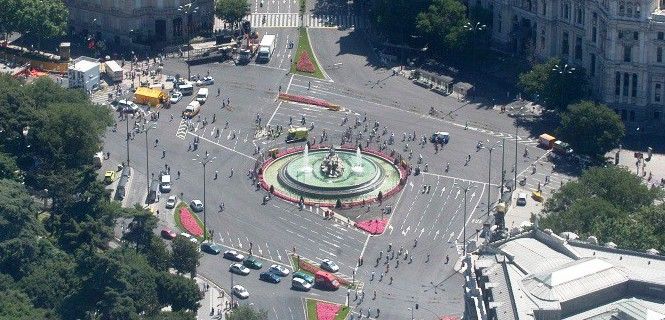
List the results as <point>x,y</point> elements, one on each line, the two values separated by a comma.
<point>246,312</point>
<point>55,262</point>
<point>555,84</point>
<point>591,129</point>
<point>612,204</point>
<point>36,19</point>
<point>231,11</point>
<point>443,23</point>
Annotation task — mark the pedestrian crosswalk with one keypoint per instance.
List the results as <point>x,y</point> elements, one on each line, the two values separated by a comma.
<point>293,20</point>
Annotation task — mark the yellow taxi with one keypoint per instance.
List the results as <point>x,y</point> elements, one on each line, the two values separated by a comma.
<point>109,177</point>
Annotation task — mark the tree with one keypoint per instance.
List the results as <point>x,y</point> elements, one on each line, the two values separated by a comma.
<point>158,255</point>
<point>18,214</point>
<point>14,304</point>
<point>42,19</point>
<point>185,257</point>
<point>610,203</point>
<point>50,282</point>
<point>591,129</point>
<point>556,85</point>
<point>443,24</point>
<point>140,229</point>
<point>232,11</point>
<point>246,312</point>
<point>180,293</point>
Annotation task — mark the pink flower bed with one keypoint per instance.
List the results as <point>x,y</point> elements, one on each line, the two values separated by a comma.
<point>372,226</point>
<point>305,64</point>
<point>189,223</point>
<point>326,311</point>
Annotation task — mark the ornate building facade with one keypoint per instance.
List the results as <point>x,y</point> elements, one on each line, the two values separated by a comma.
<point>619,43</point>
<point>142,21</point>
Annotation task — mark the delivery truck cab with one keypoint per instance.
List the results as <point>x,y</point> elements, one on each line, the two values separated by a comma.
<point>192,109</point>
<point>202,95</point>
<point>266,48</point>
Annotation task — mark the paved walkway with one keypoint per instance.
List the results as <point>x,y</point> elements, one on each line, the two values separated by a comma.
<point>214,302</point>
<point>652,171</point>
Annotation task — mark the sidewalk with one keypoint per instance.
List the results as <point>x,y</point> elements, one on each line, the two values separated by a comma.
<point>652,171</point>
<point>214,302</point>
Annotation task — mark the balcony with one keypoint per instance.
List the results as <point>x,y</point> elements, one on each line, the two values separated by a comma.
<point>658,16</point>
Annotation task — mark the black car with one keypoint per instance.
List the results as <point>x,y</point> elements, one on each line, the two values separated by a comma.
<point>270,277</point>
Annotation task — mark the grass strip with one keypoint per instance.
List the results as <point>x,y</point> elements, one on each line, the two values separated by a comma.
<point>343,313</point>
<point>176,216</point>
<point>305,46</point>
<point>311,309</point>
<point>302,7</point>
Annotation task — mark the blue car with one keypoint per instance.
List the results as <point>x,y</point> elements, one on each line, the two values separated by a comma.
<point>270,277</point>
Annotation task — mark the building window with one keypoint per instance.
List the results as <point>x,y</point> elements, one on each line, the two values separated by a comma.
<point>629,9</point>
<point>617,83</point>
<point>627,53</point>
<point>592,64</point>
<point>578,48</point>
<point>542,39</point>
<point>594,31</point>
<point>659,54</point>
<point>656,93</point>
<point>566,11</point>
<point>622,8</point>
<point>579,19</point>
<point>620,34</point>
<point>636,35</point>
<point>543,8</point>
<point>626,80</point>
<point>634,83</point>
<point>632,115</point>
<point>661,35</point>
<point>564,44</point>
<point>656,115</point>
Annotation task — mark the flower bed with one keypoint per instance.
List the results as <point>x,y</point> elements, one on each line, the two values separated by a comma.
<point>326,311</point>
<point>372,226</point>
<point>189,223</point>
<point>304,63</point>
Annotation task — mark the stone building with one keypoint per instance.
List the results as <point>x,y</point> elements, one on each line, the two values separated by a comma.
<point>141,21</point>
<point>619,43</point>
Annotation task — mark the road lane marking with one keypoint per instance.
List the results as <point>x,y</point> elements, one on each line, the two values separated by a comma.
<point>223,146</point>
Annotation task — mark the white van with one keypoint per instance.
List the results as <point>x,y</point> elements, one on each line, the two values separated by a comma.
<point>165,183</point>
<point>187,89</point>
<point>202,95</point>
<point>192,109</point>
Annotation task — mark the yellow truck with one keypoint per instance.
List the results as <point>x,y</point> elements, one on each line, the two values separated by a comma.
<point>297,134</point>
<point>148,96</point>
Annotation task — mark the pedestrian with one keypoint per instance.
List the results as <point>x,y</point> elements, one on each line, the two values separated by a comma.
<point>372,277</point>
<point>381,277</point>
<point>156,142</point>
<point>178,174</point>
<point>374,298</point>
<point>309,85</point>
<point>218,91</point>
<point>163,153</point>
<point>216,172</point>
<point>231,173</point>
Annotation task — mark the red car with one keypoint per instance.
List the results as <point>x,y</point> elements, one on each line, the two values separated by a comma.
<point>168,234</point>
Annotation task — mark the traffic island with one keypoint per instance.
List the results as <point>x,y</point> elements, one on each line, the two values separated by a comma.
<point>305,62</point>
<point>323,310</point>
<point>374,226</point>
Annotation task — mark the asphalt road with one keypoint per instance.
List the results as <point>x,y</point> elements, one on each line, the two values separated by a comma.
<point>435,219</point>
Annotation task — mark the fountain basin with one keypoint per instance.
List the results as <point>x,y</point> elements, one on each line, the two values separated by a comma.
<point>289,181</point>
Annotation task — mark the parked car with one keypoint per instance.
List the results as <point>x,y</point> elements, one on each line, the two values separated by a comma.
<point>189,237</point>
<point>233,255</point>
<point>240,291</point>
<point>206,81</point>
<point>270,277</point>
<point>440,137</point>
<point>168,234</point>
<point>329,265</point>
<point>279,270</point>
<point>171,202</point>
<point>170,79</point>
<point>238,268</point>
<point>300,284</point>
<point>176,96</point>
<point>521,199</point>
<point>252,263</point>
<point>305,276</point>
<point>196,205</point>
<point>211,248</point>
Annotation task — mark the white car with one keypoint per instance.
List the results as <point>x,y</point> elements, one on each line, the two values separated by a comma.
<point>300,284</point>
<point>189,237</point>
<point>170,202</point>
<point>279,270</point>
<point>175,96</point>
<point>238,268</point>
<point>233,255</point>
<point>240,291</point>
<point>206,81</point>
<point>196,205</point>
<point>328,265</point>
<point>521,199</point>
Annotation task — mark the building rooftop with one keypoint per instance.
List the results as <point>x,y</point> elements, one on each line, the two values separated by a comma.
<point>539,275</point>
<point>83,64</point>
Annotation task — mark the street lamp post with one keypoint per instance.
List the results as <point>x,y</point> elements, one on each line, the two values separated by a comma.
<point>515,186</point>
<point>563,70</point>
<point>465,189</point>
<point>489,176</point>
<point>411,309</point>
<point>503,161</point>
<point>474,28</point>
<point>187,9</point>
<point>127,130</point>
<point>204,161</point>
<point>147,127</point>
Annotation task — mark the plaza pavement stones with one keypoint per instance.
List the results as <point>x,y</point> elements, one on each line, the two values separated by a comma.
<point>652,171</point>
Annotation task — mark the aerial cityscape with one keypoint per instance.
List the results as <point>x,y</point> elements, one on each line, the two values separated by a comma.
<point>332,159</point>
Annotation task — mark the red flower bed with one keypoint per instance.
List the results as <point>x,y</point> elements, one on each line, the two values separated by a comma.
<point>326,311</point>
<point>189,223</point>
<point>304,63</point>
<point>372,226</point>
